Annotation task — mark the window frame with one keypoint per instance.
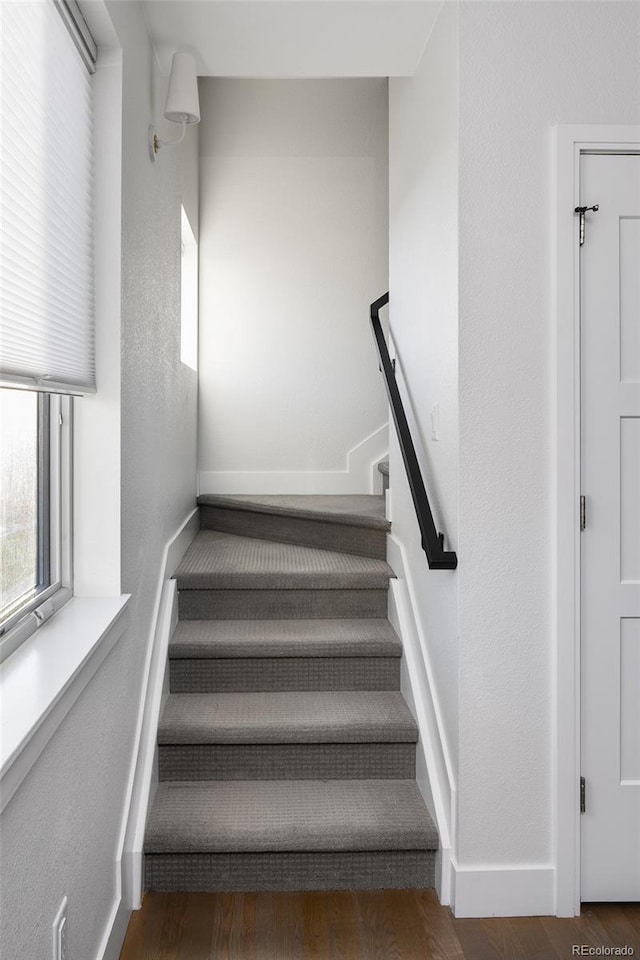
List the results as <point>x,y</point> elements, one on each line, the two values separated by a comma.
<point>55,515</point>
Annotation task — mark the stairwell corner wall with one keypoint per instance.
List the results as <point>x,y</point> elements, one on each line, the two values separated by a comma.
<point>293,249</point>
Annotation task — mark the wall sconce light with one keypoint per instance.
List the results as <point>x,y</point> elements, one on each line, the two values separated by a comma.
<point>182,104</point>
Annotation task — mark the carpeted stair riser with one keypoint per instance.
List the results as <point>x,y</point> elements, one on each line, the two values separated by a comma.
<point>287,761</point>
<point>191,675</point>
<point>208,639</point>
<point>315,870</point>
<point>279,604</point>
<point>363,541</point>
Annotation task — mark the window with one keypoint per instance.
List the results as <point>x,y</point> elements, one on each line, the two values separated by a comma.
<point>21,570</point>
<point>35,567</point>
<point>189,296</point>
<point>46,298</point>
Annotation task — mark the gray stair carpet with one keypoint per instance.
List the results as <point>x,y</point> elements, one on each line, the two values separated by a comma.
<point>223,561</point>
<point>290,717</point>
<point>359,510</point>
<point>275,815</point>
<point>226,576</point>
<point>286,753</point>
<point>350,524</point>
<point>285,638</point>
<point>221,655</point>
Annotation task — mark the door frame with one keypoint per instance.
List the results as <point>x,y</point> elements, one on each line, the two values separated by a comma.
<point>569,143</point>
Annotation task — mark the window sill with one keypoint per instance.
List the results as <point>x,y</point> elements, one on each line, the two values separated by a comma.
<point>41,681</point>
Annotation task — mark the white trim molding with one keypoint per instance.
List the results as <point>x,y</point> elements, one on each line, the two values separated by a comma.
<point>128,860</point>
<point>569,142</point>
<point>434,769</point>
<point>139,791</point>
<point>497,891</point>
<point>360,474</point>
<point>115,931</point>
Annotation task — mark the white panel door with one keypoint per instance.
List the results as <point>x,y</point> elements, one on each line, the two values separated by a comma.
<point>610,562</point>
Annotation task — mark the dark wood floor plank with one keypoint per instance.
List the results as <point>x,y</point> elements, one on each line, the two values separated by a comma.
<point>437,922</point>
<point>599,931</point>
<point>359,925</point>
<point>376,929</point>
<point>197,927</point>
<point>156,929</point>
<point>286,937</point>
<point>632,914</point>
<point>410,938</point>
<point>525,938</point>
<point>475,941</point>
<point>166,941</point>
<point>233,934</point>
<point>242,942</point>
<point>249,903</point>
<point>134,947</point>
<point>315,926</point>
<point>565,934</point>
<point>343,926</point>
<point>618,920</point>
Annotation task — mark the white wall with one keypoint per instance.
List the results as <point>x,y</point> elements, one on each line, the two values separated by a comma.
<point>293,231</point>
<point>423,221</point>
<point>60,831</point>
<point>524,68</point>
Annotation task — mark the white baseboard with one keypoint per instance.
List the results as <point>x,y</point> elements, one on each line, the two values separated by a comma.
<point>360,474</point>
<point>434,770</point>
<point>115,932</point>
<point>523,891</point>
<point>129,851</point>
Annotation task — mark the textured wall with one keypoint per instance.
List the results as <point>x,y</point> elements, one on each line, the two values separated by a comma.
<point>158,392</point>
<point>423,223</point>
<point>293,249</point>
<point>524,66</point>
<point>60,831</point>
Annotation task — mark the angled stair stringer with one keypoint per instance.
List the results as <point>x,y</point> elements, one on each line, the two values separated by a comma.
<point>286,751</point>
<point>434,768</point>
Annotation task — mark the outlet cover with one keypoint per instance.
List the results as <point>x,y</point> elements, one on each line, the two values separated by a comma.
<point>59,947</point>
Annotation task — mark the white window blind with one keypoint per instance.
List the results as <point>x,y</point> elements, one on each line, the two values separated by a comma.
<point>46,169</point>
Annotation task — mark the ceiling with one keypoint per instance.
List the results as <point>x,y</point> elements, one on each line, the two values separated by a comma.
<point>293,38</point>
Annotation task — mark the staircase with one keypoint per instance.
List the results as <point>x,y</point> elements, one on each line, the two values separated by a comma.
<point>286,751</point>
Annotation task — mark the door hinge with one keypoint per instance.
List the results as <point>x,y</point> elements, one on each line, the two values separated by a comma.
<point>583,512</point>
<point>580,212</point>
<point>583,795</point>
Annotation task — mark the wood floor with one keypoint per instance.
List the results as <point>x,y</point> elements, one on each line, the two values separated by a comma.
<point>371,925</point>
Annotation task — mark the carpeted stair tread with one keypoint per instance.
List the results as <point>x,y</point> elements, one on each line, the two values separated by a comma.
<point>224,561</point>
<point>291,717</point>
<point>284,638</point>
<point>289,815</point>
<point>356,510</point>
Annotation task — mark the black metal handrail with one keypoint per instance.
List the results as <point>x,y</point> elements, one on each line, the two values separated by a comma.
<point>432,542</point>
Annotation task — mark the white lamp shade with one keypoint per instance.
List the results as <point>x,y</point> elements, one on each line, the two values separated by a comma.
<point>182,104</point>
